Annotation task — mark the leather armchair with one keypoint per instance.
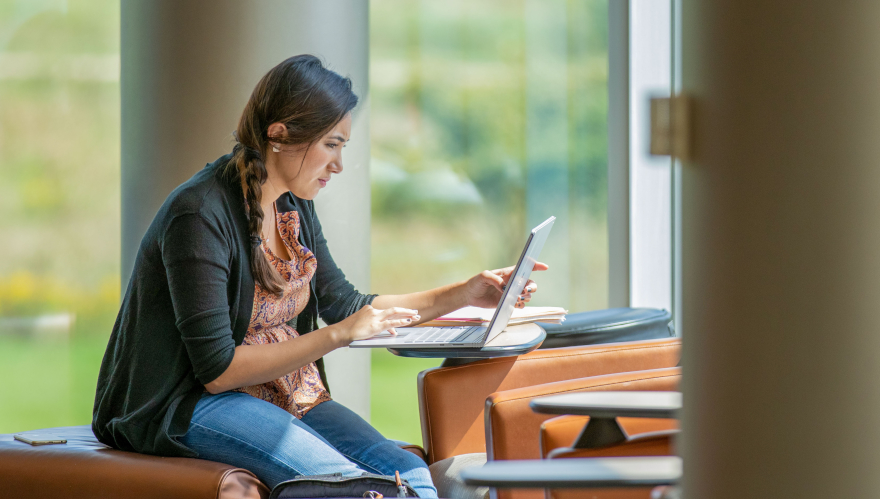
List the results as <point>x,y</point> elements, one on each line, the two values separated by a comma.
<point>645,438</point>
<point>514,431</point>
<point>465,409</point>
<point>452,399</point>
<point>602,449</point>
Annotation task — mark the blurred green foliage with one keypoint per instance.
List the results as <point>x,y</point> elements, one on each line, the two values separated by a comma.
<point>453,93</point>
<point>59,203</point>
<point>59,158</point>
<point>466,99</point>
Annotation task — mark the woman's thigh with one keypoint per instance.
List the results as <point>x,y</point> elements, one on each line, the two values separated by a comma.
<point>243,431</point>
<point>363,444</point>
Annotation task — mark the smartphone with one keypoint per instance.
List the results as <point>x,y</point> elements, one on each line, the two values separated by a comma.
<point>37,439</point>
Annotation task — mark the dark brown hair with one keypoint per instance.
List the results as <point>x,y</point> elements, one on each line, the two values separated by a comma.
<point>309,100</point>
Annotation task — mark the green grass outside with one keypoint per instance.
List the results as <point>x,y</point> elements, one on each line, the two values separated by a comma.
<point>47,383</point>
<point>52,383</point>
<point>394,402</point>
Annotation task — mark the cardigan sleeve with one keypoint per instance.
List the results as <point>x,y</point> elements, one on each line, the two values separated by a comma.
<point>337,298</point>
<point>196,257</point>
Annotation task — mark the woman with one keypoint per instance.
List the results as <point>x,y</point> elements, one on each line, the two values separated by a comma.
<point>209,357</point>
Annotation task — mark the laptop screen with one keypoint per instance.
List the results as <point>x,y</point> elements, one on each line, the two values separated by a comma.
<point>520,277</point>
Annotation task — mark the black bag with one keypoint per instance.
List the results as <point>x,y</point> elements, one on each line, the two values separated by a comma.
<point>336,485</point>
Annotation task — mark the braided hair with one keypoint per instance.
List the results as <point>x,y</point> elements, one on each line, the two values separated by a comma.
<point>309,100</point>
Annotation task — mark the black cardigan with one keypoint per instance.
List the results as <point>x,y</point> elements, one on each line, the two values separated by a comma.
<point>187,307</point>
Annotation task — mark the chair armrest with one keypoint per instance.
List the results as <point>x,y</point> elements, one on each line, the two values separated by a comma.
<point>512,429</point>
<point>451,399</point>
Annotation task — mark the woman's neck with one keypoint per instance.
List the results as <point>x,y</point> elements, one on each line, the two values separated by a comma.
<point>273,188</point>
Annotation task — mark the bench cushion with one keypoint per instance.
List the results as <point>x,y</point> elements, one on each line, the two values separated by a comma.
<point>86,468</point>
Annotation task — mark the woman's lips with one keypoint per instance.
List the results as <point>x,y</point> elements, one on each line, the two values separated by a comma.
<point>323,181</point>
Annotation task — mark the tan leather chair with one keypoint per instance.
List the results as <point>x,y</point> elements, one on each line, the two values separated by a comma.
<point>558,434</point>
<point>651,443</point>
<point>452,399</point>
<point>653,438</point>
<point>458,404</point>
<point>514,431</point>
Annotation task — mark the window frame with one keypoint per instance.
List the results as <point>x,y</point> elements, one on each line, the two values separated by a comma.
<point>644,192</point>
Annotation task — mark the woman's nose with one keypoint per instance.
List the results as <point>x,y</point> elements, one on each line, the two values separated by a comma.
<point>336,166</point>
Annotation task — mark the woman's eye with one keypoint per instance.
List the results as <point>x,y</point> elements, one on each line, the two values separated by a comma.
<point>332,145</point>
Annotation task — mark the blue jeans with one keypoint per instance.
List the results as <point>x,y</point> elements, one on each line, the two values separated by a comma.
<point>246,432</point>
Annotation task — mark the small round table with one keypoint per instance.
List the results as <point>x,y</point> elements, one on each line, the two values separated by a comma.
<point>514,340</point>
<point>577,473</point>
<point>604,408</point>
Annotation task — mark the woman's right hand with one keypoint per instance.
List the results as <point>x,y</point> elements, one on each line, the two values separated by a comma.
<point>368,322</point>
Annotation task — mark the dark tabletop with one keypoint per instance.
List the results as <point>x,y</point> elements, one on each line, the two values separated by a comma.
<point>611,404</point>
<point>577,473</point>
<point>514,340</point>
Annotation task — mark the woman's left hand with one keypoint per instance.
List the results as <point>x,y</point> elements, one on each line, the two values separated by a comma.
<point>484,289</point>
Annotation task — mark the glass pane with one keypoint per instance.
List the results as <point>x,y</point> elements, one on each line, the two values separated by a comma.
<point>486,118</point>
<point>59,206</point>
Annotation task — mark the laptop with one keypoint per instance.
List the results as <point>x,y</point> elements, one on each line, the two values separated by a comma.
<point>470,336</point>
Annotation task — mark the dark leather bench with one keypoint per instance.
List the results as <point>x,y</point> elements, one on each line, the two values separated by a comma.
<point>85,468</point>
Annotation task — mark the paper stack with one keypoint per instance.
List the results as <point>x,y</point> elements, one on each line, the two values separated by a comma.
<point>474,316</point>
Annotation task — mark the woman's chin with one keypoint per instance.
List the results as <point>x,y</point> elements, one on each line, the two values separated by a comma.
<point>307,195</point>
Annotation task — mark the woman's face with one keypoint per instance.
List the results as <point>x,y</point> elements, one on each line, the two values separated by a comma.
<point>306,170</point>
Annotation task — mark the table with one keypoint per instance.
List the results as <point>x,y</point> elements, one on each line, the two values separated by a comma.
<point>611,404</point>
<point>604,408</point>
<point>577,473</point>
<point>514,340</point>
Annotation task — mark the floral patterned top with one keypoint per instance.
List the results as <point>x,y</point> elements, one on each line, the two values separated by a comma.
<point>300,390</point>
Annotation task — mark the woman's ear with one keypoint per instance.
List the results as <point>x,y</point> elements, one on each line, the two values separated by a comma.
<point>276,130</point>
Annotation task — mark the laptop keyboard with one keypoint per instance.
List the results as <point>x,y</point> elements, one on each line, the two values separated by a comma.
<point>470,334</point>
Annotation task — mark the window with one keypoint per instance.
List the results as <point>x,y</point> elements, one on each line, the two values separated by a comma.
<point>59,206</point>
<point>486,118</point>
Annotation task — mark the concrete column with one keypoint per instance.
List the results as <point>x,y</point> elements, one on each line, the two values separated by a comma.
<point>781,249</point>
<point>188,68</point>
